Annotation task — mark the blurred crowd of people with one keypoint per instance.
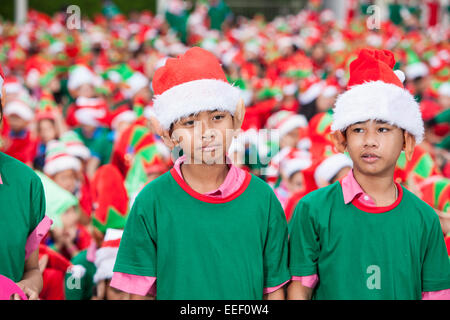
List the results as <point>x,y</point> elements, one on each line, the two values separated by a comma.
<point>78,104</point>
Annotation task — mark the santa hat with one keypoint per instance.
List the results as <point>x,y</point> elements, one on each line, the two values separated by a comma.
<point>285,121</point>
<point>79,75</point>
<point>311,88</point>
<point>110,199</point>
<point>105,257</point>
<point>376,92</point>
<point>91,111</point>
<point>75,146</point>
<point>135,83</point>
<point>191,83</point>
<point>415,68</point>
<point>19,108</point>
<point>330,167</point>
<point>295,162</point>
<point>12,85</point>
<point>122,115</point>
<point>57,159</point>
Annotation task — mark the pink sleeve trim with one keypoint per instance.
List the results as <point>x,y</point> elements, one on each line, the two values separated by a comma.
<point>272,289</point>
<point>307,281</point>
<point>436,295</point>
<point>134,284</point>
<point>90,252</point>
<point>36,236</point>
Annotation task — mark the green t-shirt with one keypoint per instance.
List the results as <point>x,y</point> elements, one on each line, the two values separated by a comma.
<point>396,254</point>
<point>80,288</point>
<point>231,249</point>
<point>100,144</point>
<point>22,209</point>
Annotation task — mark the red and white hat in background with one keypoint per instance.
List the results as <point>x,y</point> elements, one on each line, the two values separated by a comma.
<point>92,111</point>
<point>376,92</point>
<point>295,161</point>
<point>105,257</point>
<point>330,167</point>
<point>189,84</point>
<point>57,159</point>
<point>285,121</point>
<point>20,108</point>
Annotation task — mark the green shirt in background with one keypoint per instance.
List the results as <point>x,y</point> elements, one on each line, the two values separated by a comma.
<point>100,144</point>
<point>231,249</point>
<point>397,254</point>
<point>82,288</point>
<point>22,209</point>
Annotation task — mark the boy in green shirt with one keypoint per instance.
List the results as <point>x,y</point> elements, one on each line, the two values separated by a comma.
<point>370,238</point>
<point>195,243</point>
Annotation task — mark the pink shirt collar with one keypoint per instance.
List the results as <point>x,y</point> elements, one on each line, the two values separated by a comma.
<point>351,190</point>
<point>233,181</point>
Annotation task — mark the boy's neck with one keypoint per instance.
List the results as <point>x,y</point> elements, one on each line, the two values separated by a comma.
<point>381,188</point>
<point>204,178</point>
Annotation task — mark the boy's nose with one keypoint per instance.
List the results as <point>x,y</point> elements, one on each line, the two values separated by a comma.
<point>370,140</point>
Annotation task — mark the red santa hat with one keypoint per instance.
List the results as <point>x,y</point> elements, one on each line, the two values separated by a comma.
<point>376,92</point>
<point>189,84</point>
<point>295,162</point>
<point>19,108</point>
<point>330,167</point>
<point>92,111</point>
<point>57,159</point>
<point>285,121</point>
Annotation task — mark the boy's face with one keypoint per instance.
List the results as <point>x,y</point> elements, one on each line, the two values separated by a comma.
<point>66,179</point>
<point>47,130</point>
<point>290,139</point>
<point>295,182</point>
<point>205,137</point>
<point>374,146</point>
<point>85,90</point>
<point>16,123</point>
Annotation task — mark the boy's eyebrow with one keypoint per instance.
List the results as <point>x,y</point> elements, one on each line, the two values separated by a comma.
<point>377,122</point>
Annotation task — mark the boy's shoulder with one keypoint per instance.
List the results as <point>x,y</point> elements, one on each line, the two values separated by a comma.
<point>16,170</point>
<point>259,184</point>
<point>325,194</point>
<point>420,207</point>
<point>157,186</point>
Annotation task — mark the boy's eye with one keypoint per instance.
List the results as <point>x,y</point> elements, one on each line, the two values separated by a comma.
<point>218,117</point>
<point>357,130</point>
<point>384,129</point>
<point>188,123</point>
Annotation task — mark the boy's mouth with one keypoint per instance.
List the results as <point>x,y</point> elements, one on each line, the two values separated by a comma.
<point>370,157</point>
<point>210,148</point>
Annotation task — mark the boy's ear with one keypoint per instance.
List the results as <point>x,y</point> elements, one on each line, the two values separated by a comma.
<point>164,134</point>
<point>409,145</point>
<point>239,114</point>
<point>339,140</point>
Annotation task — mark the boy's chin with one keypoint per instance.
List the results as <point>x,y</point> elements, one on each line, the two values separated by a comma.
<point>373,170</point>
<point>209,160</point>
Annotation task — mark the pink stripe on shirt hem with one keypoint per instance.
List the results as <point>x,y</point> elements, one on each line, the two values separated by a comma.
<point>134,284</point>
<point>36,236</point>
<point>436,295</point>
<point>272,289</point>
<point>307,281</point>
